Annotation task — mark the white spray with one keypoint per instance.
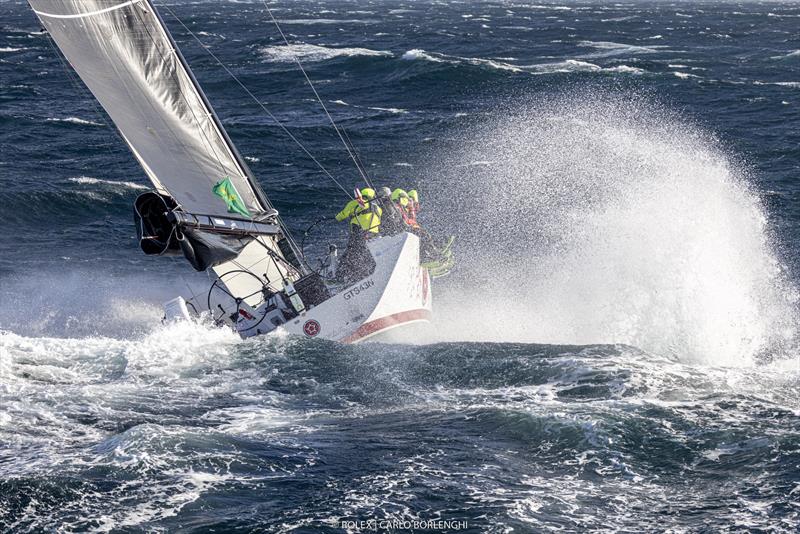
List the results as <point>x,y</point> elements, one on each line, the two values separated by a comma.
<point>595,219</point>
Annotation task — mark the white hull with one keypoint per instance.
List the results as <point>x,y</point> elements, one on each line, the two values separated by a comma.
<point>397,293</point>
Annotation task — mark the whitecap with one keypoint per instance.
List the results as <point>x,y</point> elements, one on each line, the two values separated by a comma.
<point>610,48</point>
<point>390,110</point>
<point>310,52</point>
<point>619,19</point>
<point>11,49</point>
<point>795,54</point>
<point>417,53</point>
<point>684,75</point>
<point>88,180</point>
<point>570,65</point>
<point>75,120</point>
<point>626,69</point>
<point>327,21</point>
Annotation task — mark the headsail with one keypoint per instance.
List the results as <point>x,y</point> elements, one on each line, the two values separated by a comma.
<point>127,59</point>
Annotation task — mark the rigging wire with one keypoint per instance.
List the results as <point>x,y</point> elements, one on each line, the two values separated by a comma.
<point>357,154</point>
<point>257,101</point>
<point>319,99</point>
<point>286,233</point>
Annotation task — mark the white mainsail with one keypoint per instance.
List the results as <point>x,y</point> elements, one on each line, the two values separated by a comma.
<point>127,59</point>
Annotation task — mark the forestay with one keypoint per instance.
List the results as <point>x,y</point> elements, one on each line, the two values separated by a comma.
<point>125,56</point>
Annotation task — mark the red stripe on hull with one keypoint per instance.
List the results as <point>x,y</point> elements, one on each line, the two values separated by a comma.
<point>373,327</point>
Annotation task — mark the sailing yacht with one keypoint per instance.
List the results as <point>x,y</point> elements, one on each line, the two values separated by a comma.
<point>206,205</point>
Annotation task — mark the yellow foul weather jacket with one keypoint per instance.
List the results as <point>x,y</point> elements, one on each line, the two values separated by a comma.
<point>367,218</point>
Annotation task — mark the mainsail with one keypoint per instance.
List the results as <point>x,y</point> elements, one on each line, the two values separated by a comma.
<point>125,56</point>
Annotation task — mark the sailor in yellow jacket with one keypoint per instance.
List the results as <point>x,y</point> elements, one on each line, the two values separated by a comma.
<point>362,212</point>
<point>364,215</point>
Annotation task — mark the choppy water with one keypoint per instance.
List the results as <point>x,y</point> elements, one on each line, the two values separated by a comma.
<point>617,350</point>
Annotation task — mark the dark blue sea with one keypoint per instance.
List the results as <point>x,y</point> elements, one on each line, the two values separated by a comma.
<point>616,350</point>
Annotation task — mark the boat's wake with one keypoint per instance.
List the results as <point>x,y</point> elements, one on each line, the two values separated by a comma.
<point>103,433</point>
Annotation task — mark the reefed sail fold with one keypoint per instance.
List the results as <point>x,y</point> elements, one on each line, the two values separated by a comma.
<point>127,59</point>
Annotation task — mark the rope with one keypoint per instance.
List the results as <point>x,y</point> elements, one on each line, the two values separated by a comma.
<point>319,99</point>
<point>257,101</point>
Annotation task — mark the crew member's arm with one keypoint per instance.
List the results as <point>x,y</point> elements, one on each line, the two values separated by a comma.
<point>348,211</point>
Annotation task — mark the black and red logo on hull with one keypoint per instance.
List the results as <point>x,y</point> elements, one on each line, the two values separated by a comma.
<point>311,328</point>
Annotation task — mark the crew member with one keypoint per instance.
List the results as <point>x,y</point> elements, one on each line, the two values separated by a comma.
<point>413,208</point>
<point>365,221</point>
<point>391,219</point>
<point>400,199</point>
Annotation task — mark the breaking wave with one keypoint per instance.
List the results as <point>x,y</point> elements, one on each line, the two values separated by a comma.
<point>790,55</point>
<point>609,220</point>
<point>610,49</point>
<point>417,54</point>
<point>309,52</point>
<point>88,180</point>
<point>568,65</point>
<point>75,120</point>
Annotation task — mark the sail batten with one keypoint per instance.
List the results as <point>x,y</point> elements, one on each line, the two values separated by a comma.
<point>87,14</point>
<point>126,57</point>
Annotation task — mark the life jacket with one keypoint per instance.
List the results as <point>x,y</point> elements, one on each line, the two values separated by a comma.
<point>365,215</point>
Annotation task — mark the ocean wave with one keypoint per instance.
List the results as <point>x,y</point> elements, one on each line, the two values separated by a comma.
<point>626,69</point>
<point>569,65</point>
<point>390,110</point>
<point>795,54</point>
<point>610,48</point>
<point>310,52</point>
<point>88,180</point>
<point>419,54</point>
<point>780,84</point>
<point>684,75</point>
<point>327,21</point>
<point>12,49</point>
<point>416,54</point>
<point>75,120</point>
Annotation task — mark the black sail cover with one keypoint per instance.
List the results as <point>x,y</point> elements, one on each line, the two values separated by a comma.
<point>126,58</point>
